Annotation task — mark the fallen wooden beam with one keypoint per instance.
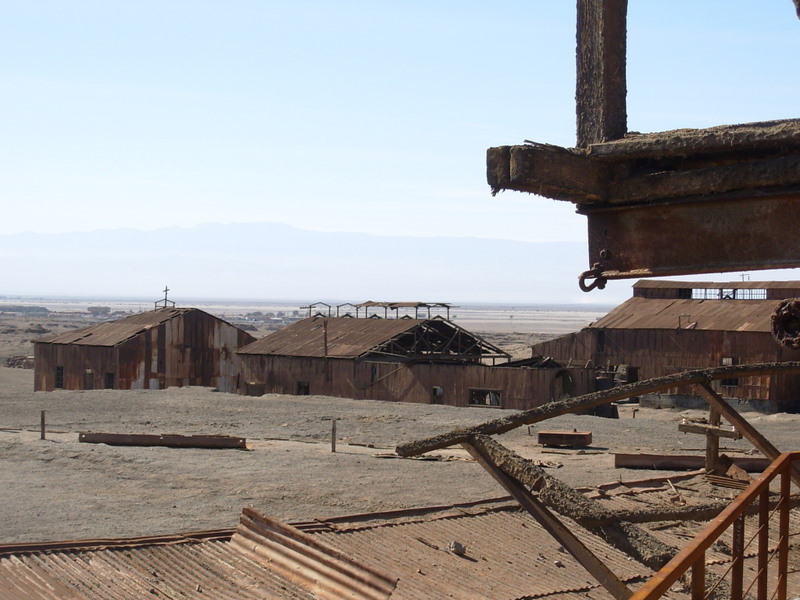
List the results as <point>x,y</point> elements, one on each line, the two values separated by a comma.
<point>168,440</point>
<point>678,462</point>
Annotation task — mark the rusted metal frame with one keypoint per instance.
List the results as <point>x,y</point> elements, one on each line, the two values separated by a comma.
<point>658,585</point>
<point>621,237</point>
<point>699,578</point>
<point>613,584</point>
<point>600,96</point>
<point>751,433</point>
<point>562,407</point>
<point>783,528</point>
<point>737,552</point>
<point>763,545</point>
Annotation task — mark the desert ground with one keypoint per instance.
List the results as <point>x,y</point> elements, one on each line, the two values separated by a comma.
<point>58,488</point>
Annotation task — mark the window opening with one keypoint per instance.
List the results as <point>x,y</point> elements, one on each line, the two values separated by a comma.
<point>59,381</point>
<point>482,397</point>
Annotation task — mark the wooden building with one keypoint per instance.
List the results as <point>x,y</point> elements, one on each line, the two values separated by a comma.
<point>672,326</point>
<point>150,350</point>
<point>410,360</point>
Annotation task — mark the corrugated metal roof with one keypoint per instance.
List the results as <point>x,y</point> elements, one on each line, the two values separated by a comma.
<point>508,557</point>
<point>716,285</point>
<point>706,315</point>
<point>116,332</point>
<point>347,338</point>
<point>350,338</point>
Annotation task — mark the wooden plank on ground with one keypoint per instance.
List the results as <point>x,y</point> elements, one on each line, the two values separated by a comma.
<point>168,440</point>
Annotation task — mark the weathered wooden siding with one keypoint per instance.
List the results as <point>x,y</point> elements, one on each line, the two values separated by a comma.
<point>193,348</point>
<point>76,361</point>
<point>520,387</point>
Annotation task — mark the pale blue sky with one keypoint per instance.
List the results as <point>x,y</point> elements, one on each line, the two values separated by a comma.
<point>366,116</point>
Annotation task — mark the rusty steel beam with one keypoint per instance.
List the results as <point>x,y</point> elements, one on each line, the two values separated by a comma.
<point>170,440</point>
<point>708,236</point>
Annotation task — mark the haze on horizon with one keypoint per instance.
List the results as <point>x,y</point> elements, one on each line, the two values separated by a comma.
<point>356,116</point>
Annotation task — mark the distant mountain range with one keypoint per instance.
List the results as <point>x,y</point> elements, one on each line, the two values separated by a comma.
<point>274,261</point>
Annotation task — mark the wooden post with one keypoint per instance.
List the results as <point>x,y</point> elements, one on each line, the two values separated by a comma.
<point>601,81</point>
<point>333,435</point>
<point>712,441</point>
<point>41,424</point>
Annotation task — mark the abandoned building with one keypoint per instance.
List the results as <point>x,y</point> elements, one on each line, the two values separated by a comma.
<point>410,360</point>
<point>151,350</point>
<point>673,326</point>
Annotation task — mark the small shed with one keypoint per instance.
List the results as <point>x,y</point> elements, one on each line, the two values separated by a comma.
<point>151,350</point>
<point>411,360</point>
<point>673,326</point>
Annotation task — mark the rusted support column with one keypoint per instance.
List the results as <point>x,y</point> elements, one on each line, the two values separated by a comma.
<point>737,551</point>
<point>550,523</point>
<point>601,82</point>
<point>699,578</point>
<point>783,540</point>
<point>763,545</point>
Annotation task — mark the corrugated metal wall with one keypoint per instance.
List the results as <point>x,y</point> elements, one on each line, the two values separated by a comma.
<point>662,352</point>
<point>520,387</point>
<point>194,348</point>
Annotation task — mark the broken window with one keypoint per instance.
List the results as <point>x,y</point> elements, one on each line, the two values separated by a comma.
<point>88,379</point>
<point>481,397</point>
<point>437,394</point>
<point>730,381</point>
<point>59,381</point>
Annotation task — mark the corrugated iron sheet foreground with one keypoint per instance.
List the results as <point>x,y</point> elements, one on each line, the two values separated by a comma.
<point>508,556</point>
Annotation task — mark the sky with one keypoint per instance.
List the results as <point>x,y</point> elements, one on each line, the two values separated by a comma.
<point>361,116</point>
<point>349,116</point>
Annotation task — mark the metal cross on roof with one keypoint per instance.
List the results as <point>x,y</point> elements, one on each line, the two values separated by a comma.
<point>165,303</point>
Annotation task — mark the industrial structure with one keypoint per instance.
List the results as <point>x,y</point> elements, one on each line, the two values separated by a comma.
<point>673,326</point>
<point>403,359</point>
<point>157,349</point>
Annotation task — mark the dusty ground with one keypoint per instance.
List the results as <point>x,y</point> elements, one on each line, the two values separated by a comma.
<point>58,488</point>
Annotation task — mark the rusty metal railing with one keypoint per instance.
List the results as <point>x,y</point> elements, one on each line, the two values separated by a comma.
<point>769,579</point>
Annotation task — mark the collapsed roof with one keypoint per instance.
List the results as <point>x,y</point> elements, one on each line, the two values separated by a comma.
<point>377,339</point>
